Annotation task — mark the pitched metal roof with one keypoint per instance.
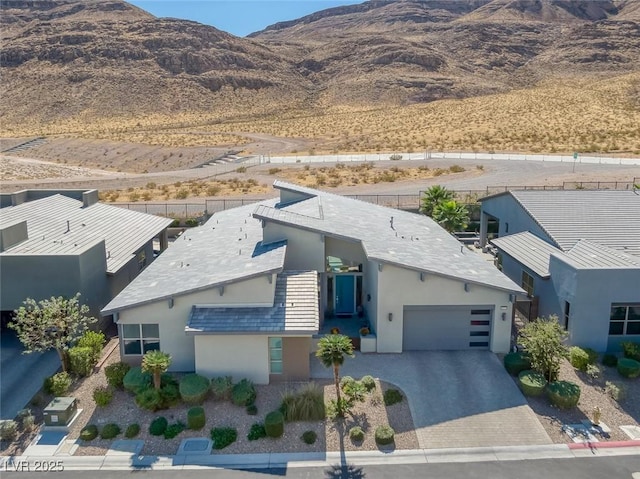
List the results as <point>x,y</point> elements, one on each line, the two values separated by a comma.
<point>225,249</point>
<point>529,250</point>
<point>607,217</point>
<point>58,225</point>
<point>587,254</point>
<point>387,235</point>
<point>294,311</point>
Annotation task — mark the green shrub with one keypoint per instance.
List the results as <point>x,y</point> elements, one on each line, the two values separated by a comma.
<point>109,431</point>
<point>616,390</point>
<point>356,434</point>
<point>563,394</point>
<point>306,404</point>
<point>194,388</point>
<point>631,350</point>
<point>610,360</point>
<point>136,381</point>
<point>150,399</point>
<point>158,426</point>
<point>28,419</point>
<point>191,222</point>
<point>392,396</point>
<point>335,410</point>
<point>81,360</point>
<point>368,382</point>
<point>196,418</point>
<point>355,391</point>
<point>89,433</point>
<point>223,436</point>
<point>532,383</point>
<point>256,432</point>
<point>58,384</point>
<point>628,368</point>
<point>346,380</point>
<point>309,437</point>
<point>593,355</point>
<point>173,430</point>
<point>115,374</point>
<point>132,431</point>
<point>102,396</point>
<point>170,395</point>
<point>593,371</point>
<point>517,362</point>
<point>578,358</point>
<point>252,409</point>
<point>384,435</point>
<point>95,341</point>
<point>8,430</point>
<point>274,424</point>
<point>243,393</point>
<point>221,388</point>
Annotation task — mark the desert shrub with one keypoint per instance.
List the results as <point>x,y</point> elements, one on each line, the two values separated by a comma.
<point>89,433</point>
<point>95,341</point>
<point>252,409</point>
<point>150,399</point>
<point>243,393</point>
<point>132,431</point>
<point>135,380</point>
<point>355,391</point>
<point>256,432</point>
<point>335,409</point>
<point>384,435</point>
<point>617,391</point>
<point>175,223</point>
<point>628,368</point>
<point>395,157</point>
<point>306,404</point>
<point>309,437</point>
<point>593,371</point>
<point>391,397</point>
<point>456,169</point>
<point>532,383</point>
<point>158,426</point>
<point>115,374</point>
<point>368,382</point>
<point>8,430</point>
<point>191,222</point>
<point>631,350</point>
<point>593,355</point>
<point>241,169</point>
<point>194,388</point>
<point>27,418</point>
<point>274,424</point>
<point>223,436</point>
<point>274,171</point>
<point>58,384</point>
<point>517,362</point>
<point>170,395</point>
<point>356,434</point>
<point>563,394</point>
<point>346,380</point>
<point>109,431</point>
<point>81,360</point>
<point>578,358</point>
<point>173,430</point>
<point>196,418</point>
<point>221,388</point>
<point>102,396</point>
<point>610,360</point>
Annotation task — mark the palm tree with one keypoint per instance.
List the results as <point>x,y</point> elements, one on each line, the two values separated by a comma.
<point>433,197</point>
<point>451,216</point>
<point>332,349</point>
<point>156,362</point>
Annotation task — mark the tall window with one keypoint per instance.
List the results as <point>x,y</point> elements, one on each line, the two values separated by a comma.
<point>567,312</point>
<point>275,355</point>
<point>527,283</point>
<point>624,320</point>
<point>140,338</point>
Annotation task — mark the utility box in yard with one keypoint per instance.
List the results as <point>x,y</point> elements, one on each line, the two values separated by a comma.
<point>60,411</point>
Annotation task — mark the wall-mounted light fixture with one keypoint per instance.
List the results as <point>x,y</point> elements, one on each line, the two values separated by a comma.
<point>170,303</point>
<point>504,316</point>
<point>380,267</point>
<point>466,287</point>
<point>422,276</point>
<point>390,316</point>
<point>368,297</point>
<point>221,290</point>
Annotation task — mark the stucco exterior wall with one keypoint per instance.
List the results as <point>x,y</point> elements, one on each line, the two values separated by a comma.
<point>128,272</point>
<point>240,356</point>
<point>370,300</point>
<point>94,281</point>
<point>399,287</point>
<point>507,210</point>
<point>305,249</point>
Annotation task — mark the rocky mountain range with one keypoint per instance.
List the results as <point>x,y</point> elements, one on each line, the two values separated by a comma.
<point>81,59</point>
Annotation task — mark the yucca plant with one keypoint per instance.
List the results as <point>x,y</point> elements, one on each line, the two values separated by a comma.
<point>156,362</point>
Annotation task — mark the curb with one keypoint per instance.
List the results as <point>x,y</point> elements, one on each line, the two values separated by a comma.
<point>604,445</point>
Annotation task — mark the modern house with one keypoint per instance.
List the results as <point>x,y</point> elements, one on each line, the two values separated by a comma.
<point>577,255</point>
<point>58,243</point>
<point>245,294</point>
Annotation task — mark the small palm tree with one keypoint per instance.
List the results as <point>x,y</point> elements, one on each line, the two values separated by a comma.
<point>433,197</point>
<point>332,349</point>
<point>451,215</point>
<point>156,363</point>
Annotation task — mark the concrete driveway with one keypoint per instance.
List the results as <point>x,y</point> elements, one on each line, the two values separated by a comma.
<point>457,398</point>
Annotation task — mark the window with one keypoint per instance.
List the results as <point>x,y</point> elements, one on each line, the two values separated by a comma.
<point>567,312</point>
<point>624,320</point>
<point>527,283</point>
<point>481,311</point>
<point>142,260</point>
<point>275,355</point>
<point>140,338</point>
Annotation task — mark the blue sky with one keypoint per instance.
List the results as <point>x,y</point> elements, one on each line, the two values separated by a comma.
<point>239,17</point>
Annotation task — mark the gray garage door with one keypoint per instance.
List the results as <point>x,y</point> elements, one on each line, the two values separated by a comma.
<point>446,328</point>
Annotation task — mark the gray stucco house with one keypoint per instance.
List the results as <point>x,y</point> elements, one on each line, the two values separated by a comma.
<point>246,293</point>
<point>577,255</point>
<point>60,242</point>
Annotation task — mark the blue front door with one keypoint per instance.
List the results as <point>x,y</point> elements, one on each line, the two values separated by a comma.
<point>345,299</point>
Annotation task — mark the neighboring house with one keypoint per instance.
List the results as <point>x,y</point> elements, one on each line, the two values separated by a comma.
<point>58,243</point>
<point>577,254</point>
<point>245,293</point>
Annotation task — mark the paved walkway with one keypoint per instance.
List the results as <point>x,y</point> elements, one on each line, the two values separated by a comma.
<point>457,398</point>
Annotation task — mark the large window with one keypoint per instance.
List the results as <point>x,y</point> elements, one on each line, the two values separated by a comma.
<point>140,338</point>
<point>624,320</point>
<point>275,355</point>
<point>527,283</point>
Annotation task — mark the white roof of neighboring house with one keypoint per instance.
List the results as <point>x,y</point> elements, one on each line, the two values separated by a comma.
<point>124,231</point>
